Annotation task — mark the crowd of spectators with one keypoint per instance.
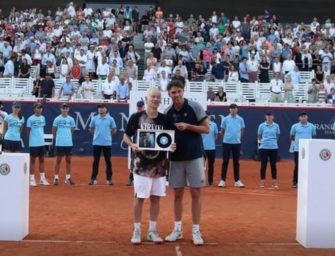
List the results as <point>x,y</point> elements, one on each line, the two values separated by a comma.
<point>86,44</point>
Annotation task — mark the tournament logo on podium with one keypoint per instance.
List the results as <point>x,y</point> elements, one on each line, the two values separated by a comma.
<point>325,154</point>
<point>4,169</point>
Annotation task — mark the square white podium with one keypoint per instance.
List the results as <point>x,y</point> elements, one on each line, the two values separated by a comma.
<point>14,199</point>
<point>316,193</point>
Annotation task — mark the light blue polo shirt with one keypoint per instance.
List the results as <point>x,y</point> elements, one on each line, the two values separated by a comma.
<point>36,135</point>
<point>208,139</point>
<point>302,131</point>
<point>269,134</point>
<point>64,125</point>
<point>102,130</point>
<point>14,128</point>
<point>232,126</point>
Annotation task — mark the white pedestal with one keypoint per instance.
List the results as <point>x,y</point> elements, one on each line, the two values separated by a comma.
<point>14,199</point>
<point>316,193</point>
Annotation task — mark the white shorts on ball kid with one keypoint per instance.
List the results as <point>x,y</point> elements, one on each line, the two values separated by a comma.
<point>144,187</point>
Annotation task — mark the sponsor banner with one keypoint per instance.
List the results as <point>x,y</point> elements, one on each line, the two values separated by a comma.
<point>253,116</point>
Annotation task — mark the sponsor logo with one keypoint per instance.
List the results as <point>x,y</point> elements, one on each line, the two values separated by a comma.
<point>325,154</point>
<point>4,169</point>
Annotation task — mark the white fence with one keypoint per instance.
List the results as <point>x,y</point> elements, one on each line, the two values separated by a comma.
<point>20,88</point>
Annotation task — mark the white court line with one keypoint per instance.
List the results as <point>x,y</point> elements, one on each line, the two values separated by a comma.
<point>103,242</point>
<point>167,243</point>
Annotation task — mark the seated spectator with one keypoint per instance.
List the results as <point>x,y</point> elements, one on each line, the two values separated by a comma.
<point>322,93</point>
<point>221,95</point>
<point>312,92</point>
<point>24,69</point>
<point>151,60</point>
<point>87,88</point>
<point>47,88</point>
<point>331,96</point>
<point>233,74</point>
<point>67,89</point>
<point>210,94</point>
<point>164,67</point>
<point>276,87</point>
<point>288,90</point>
<point>122,89</point>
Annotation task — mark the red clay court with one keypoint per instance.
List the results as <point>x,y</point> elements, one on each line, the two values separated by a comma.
<point>97,220</point>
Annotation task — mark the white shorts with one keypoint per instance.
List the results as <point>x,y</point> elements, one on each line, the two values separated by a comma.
<point>144,187</point>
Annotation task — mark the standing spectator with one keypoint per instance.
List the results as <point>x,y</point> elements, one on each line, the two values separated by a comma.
<point>13,125</point>
<point>103,69</point>
<point>87,88</point>
<point>35,130</point>
<point>9,66</point>
<point>312,92</point>
<point>301,130</point>
<point>2,64</point>
<point>47,88</point>
<point>36,86</point>
<point>327,58</point>
<point>109,86</point>
<point>331,96</point>
<point>67,88</point>
<point>276,86</point>
<point>295,77</point>
<point>329,83</point>
<point>264,67</point>
<point>243,70</point>
<point>232,128</point>
<point>122,89</point>
<point>268,135</point>
<point>288,64</point>
<point>277,66</point>
<point>233,74</point>
<point>189,121</point>
<point>24,69</point>
<point>322,93</point>
<point>288,90</point>
<point>209,146</point>
<point>102,127</point>
<point>149,167</point>
<point>64,68</point>
<point>253,67</point>
<point>62,129</point>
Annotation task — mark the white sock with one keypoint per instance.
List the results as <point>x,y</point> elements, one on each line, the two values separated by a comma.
<point>42,175</point>
<point>56,176</point>
<point>177,225</point>
<point>152,225</point>
<point>32,177</point>
<point>137,226</point>
<point>195,228</point>
<point>68,176</point>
